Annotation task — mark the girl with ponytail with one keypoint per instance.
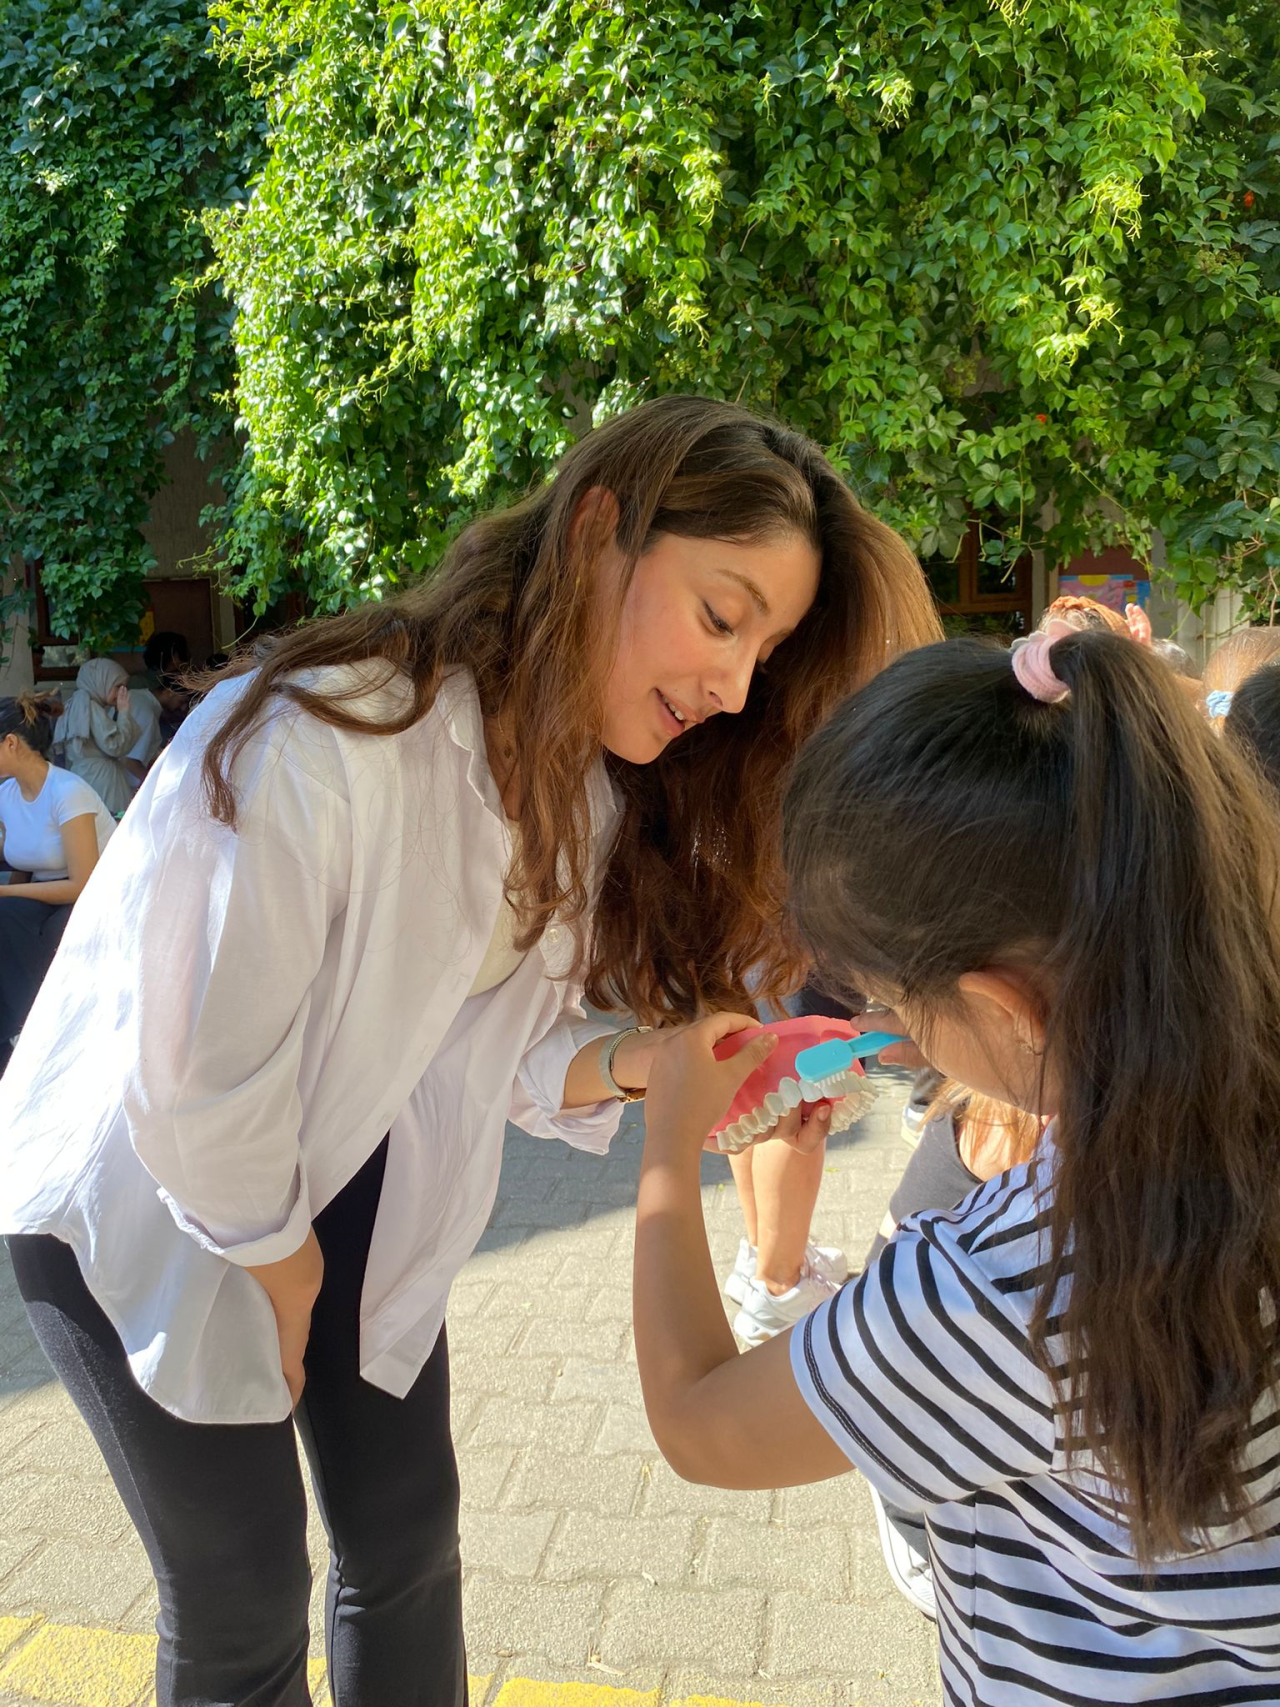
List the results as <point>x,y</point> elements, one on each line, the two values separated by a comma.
<point>52,829</point>
<point>1068,890</point>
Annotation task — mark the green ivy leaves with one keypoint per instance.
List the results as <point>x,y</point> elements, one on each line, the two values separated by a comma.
<point>121,129</point>
<point>1020,258</point>
<point>987,254</point>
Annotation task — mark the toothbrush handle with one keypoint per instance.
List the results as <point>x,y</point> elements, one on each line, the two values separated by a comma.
<point>871,1043</point>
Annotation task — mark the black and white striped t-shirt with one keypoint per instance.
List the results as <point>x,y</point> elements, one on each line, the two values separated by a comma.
<point>922,1373</point>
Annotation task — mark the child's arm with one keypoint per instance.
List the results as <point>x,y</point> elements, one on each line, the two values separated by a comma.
<point>720,1418</point>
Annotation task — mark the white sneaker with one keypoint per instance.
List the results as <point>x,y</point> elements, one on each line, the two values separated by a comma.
<point>909,1568</point>
<point>913,1122</point>
<point>763,1314</point>
<point>827,1261</point>
<point>738,1281</point>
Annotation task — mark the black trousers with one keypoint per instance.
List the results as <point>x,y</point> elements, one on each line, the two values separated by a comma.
<point>30,932</point>
<point>221,1511</point>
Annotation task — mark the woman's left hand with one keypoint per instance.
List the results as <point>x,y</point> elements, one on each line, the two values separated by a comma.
<point>690,1090</point>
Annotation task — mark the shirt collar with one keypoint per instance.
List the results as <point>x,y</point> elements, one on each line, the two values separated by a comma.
<point>459,705</point>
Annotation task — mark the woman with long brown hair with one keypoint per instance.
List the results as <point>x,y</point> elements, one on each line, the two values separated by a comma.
<point>1069,890</point>
<point>253,1133</point>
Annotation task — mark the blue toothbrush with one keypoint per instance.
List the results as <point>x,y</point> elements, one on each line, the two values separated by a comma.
<point>829,1060</point>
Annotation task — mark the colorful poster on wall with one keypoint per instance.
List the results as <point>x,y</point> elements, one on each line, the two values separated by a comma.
<point>1114,591</point>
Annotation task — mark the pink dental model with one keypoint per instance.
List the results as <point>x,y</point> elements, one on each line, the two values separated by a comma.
<point>778,1085</point>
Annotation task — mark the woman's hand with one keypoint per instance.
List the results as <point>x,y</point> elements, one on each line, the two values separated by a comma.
<point>690,1090</point>
<point>293,1326</point>
<point>119,697</point>
<point>293,1285</point>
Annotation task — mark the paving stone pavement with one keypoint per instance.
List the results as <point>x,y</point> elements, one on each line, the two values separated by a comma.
<point>586,1559</point>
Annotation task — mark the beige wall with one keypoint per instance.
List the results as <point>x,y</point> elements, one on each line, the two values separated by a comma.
<point>174,532</point>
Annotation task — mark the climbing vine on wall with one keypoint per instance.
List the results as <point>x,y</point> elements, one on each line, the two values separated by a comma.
<point>991,253</point>
<point>122,129</point>
<point>988,253</point>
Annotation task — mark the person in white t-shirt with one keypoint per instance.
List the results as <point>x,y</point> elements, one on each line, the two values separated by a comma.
<point>52,829</point>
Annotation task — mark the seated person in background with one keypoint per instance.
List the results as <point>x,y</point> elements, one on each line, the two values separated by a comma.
<point>144,752</point>
<point>167,657</point>
<point>98,729</point>
<point>160,702</point>
<point>52,826</point>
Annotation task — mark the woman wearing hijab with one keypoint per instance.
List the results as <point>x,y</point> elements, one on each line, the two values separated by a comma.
<point>98,729</point>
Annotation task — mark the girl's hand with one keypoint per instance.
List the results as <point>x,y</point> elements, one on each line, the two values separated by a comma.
<point>634,1057</point>
<point>119,697</point>
<point>690,1090</point>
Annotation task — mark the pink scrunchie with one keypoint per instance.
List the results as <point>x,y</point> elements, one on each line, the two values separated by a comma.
<point>1032,667</point>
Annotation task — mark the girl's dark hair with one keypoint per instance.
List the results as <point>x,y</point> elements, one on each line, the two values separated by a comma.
<point>1253,722</point>
<point>692,895</point>
<point>1125,860</point>
<point>31,717</point>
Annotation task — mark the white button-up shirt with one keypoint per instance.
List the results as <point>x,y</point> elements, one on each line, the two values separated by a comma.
<point>235,1018</point>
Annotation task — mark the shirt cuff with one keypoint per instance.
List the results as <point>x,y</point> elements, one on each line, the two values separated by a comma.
<point>537,1102</point>
<point>275,1246</point>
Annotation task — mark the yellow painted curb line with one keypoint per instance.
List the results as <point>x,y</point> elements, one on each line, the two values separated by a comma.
<point>71,1667</point>
<point>66,1665</point>
<point>523,1692</point>
<point>12,1630</point>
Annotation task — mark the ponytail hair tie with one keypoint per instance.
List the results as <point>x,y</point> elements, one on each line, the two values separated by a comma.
<point>1031,665</point>
<point>1218,703</point>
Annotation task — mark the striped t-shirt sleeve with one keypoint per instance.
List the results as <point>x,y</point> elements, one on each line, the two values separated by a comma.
<point>923,1376</point>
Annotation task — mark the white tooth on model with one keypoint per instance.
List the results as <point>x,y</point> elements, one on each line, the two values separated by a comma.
<point>789,1091</point>
<point>810,1092</point>
<point>776,1104</point>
